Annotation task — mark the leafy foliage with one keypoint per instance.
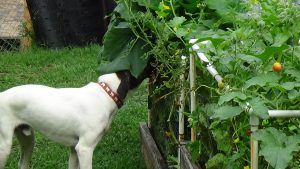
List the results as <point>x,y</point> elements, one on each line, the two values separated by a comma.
<point>123,51</point>
<point>276,147</point>
<point>247,37</point>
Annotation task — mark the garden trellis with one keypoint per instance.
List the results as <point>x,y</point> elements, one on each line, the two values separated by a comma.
<point>246,38</point>
<point>254,120</point>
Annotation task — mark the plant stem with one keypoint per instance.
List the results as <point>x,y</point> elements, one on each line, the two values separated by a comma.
<point>172,7</point>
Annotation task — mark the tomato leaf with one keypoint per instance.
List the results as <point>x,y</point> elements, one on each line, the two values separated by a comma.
<point>288,85</point>
<point>152,4</point>
<point>190,5</point>
<point>195,148</point>
<point>120,63</point>
<point>226,112</point>
<point>270,51</point>
<point>297,52</point>
<point>276,147</point>
<point>293,94</point>
<point>177,21</point>
<point>249,58</point>
<point>181,32</point>
<point>116,41</point>
<point>222,137</point>
<point>262,80</point>
<point>232,95</point>
<point>225,10</point>
<point>217,161</point>
<point>280,39</point>
<point>259,108</point>
<point>122,52</point>
<point>267,36</point>
<point>294,73</point>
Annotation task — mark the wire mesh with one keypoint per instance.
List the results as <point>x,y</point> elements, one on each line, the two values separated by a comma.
<point>11,18</point>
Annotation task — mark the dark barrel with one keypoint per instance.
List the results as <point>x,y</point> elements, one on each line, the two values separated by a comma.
<point>62,23</point>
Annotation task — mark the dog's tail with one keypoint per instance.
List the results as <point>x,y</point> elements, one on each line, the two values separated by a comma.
<point>26,129</point>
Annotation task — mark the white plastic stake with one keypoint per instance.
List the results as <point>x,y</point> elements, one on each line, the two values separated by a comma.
<point>284,113</point>
<point>182,104</point>
<point>192,91</point>
<point>214,72</point>
<point>181,109</point>
<point>205,60</point>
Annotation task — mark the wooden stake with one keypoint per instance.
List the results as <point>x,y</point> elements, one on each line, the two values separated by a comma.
<point>26,39</point>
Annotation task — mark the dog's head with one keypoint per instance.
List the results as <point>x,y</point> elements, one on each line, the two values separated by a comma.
<point>122,82</point>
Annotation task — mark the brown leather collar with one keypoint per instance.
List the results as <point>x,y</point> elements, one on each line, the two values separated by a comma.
<point>112,94</point>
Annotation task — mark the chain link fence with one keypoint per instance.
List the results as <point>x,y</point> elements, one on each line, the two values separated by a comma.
<point>11,19</point>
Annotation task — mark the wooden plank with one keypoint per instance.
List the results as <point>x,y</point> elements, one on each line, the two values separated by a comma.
<point>186,160</point>
<point>10,19</point>
<point>152,156</point>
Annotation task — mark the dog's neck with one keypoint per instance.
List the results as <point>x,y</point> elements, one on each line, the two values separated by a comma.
<point>121,82</point>
<point>111,80</point>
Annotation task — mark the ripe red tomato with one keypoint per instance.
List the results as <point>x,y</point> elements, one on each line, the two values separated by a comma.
<point>277,67</point>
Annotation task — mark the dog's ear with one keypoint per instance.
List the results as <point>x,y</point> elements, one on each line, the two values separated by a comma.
<point>135,82</point>
<point>129,82</point>
<point>125,83</point>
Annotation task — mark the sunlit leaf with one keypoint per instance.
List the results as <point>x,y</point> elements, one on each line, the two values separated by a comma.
<point>280,39</point>
<point>249,58</point>
<point>231,95</point>
<point>177,21</point>
<point>217,161</point>
<point>294,73</point>
<point>226,112</point>
<point>271,50</point>
<point>259,108</point>
<point>293,94</point>
<point>262,80</point>
<point>288,85</point>
<point>276,147</point>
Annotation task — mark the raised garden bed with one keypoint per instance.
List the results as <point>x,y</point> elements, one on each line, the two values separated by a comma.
<point>153,157</point>
<point>151,153</point>
<point>185,159</point>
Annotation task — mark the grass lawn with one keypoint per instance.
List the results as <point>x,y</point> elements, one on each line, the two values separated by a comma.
<point>75,67</point>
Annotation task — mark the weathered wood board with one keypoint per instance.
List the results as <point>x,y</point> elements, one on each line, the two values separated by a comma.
<point>11,18</point>
<point>152,157</point>
<point>185,159</point>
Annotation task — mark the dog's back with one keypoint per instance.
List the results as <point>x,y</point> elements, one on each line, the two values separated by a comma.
<point>65,108</point>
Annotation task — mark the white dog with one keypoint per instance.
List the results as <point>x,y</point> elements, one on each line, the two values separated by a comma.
<point>75,117</point>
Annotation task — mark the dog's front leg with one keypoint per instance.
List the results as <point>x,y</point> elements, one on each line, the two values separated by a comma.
<point>85,156</point>
<point>73,159</point>
<point>6,137</point>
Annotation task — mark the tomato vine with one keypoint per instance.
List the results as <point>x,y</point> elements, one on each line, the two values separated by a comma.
<point>247,37</point>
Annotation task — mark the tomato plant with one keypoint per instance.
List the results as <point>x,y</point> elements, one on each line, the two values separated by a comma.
<point>246,37</point>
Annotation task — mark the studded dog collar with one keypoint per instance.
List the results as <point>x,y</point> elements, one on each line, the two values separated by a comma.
<point>112,94</point>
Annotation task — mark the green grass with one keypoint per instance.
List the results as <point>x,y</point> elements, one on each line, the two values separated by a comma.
<point>119,148</point>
